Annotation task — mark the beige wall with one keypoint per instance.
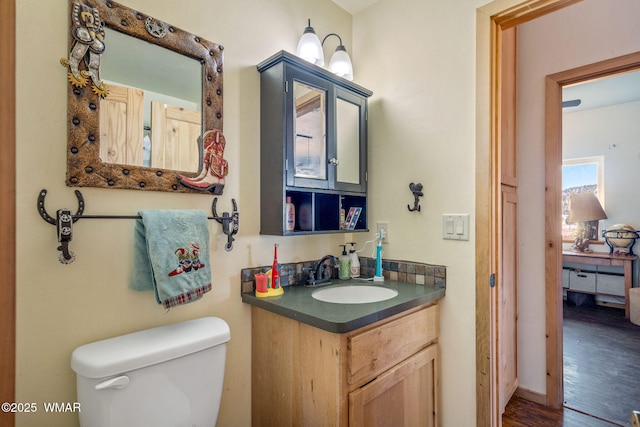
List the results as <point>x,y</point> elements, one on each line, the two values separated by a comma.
<point>419,58</point>
<point>587,32</point>
<point>60,307</point>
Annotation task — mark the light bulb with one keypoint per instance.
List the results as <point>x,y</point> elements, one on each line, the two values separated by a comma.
<point>309,47</point>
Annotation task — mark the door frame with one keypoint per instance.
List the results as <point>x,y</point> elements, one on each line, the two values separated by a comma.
<point>491,20</point>
<point>553,209</point>
<point>7,206</point>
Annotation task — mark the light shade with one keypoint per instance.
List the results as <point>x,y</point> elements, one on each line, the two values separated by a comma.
<point>309,47</point>
<point>340,63</point>
<point>585,207</point>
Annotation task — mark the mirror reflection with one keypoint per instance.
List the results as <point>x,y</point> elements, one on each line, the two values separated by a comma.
<point>309,150</point>
<point>152,116</point>
<point>348,141</point>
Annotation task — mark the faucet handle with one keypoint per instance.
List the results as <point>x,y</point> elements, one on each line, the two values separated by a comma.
<point>311,272</point>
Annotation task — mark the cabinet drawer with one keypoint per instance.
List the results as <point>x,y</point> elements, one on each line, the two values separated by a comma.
<point>582,281</point>
<point>565,277</point>
<point>611,284</point>
<point>376,350</point>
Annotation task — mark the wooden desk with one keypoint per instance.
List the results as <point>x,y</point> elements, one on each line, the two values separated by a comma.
<point>600,258</point>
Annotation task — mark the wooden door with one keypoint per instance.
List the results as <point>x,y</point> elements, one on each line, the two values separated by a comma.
<point>8,206</point>
<point>404,396</point>
<point>121,126</point>
<point>507,303</point>
<point>494,21</point>
<point>505,295</point>
<point>175,133</point>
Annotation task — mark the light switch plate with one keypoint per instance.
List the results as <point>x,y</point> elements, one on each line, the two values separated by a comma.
<point>455,226</point>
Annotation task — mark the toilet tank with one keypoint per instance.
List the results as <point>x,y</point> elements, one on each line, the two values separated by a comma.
<point>166,376</point>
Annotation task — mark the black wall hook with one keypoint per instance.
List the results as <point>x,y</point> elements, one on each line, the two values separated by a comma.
<point>416,189</point>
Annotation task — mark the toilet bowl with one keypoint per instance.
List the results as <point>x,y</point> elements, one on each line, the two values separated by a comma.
<point>166,376</point>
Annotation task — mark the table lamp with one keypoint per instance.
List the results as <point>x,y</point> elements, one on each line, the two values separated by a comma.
<point>585,209</point>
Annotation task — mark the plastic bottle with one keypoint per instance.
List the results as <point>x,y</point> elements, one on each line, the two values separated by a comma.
<point>355,261</point>
<point>344,270</point>
<point>290,215</point>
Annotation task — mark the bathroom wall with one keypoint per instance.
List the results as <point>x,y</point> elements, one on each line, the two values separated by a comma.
<point>60,307</point>
<point>419,58</point>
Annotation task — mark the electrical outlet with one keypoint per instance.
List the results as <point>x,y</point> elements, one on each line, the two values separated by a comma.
<point>383,226</point>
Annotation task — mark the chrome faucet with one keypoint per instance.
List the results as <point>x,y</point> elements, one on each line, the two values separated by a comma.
<point>322,273</point>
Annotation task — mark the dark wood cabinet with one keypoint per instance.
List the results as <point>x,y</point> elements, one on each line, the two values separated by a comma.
<point>313,148</point>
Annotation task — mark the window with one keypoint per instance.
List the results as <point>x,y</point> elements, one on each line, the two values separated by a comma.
<point>580,175</point>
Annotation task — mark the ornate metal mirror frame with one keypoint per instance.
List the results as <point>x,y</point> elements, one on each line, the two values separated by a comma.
<point>85,168</point>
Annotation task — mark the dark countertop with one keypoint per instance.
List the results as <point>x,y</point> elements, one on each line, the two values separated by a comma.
<point>298,304</point>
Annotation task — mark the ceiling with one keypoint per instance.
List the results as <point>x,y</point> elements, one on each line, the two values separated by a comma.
<point>617,89</point>
<point>354,6</point>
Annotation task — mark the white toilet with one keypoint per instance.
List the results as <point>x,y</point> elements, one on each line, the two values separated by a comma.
<point>166,376</point>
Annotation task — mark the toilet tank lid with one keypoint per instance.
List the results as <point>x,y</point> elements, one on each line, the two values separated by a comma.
<point>145,348</point>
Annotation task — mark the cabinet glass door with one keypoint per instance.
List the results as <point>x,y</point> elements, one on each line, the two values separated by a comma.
<point>347,141</point>
<point>310,148</point>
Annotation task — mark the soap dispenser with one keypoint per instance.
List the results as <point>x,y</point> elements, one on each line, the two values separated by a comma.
<point>355,261</point>
<point>344,271</point>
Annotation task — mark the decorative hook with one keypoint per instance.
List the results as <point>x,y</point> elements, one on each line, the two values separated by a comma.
<point>230,222</point>
<point>416,189</point>
<point>63,221</point>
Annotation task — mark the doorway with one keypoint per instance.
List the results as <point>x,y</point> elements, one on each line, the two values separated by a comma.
<point>553,197</point>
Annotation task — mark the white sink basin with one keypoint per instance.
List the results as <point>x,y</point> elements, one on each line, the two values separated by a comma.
<point>354,294</point>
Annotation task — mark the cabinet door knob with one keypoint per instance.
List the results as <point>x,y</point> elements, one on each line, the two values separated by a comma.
<point>334,161</point>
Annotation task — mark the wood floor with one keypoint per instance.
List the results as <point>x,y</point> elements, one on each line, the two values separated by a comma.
<point>601,373</point>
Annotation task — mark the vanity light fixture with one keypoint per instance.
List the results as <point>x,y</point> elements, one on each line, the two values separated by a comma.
<point>310,49</point>
<point>340,63</point>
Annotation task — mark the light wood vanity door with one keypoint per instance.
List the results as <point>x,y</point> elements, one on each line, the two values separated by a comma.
<point>405,396</point>
<point>376,350</point>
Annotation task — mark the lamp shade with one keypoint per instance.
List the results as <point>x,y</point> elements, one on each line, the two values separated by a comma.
<point>340,63</point>
<point>309,47</point>
<point>585,207</point>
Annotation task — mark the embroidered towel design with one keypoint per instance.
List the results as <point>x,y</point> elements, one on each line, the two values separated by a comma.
<point>171,255</point>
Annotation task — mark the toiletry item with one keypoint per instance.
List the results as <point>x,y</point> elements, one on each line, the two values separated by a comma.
<point>355,261</point>
<point>264,287</point>
<point>261,283</point>
<point>268,283</point>
<point>344,270</point>
<point>275,271</point>
<point>379,277</point>
<point>305,218</point>
<point>290,215</point>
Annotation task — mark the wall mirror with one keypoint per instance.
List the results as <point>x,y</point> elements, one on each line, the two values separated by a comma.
<point>142,94</point>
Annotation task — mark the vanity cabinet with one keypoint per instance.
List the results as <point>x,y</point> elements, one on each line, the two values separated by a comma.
<point>313,148</point>
<point>384,374</point>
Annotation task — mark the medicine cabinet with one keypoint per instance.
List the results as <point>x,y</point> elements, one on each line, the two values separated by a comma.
<point>313,148</point>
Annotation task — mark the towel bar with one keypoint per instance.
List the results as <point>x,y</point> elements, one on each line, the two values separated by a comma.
<point>64,222</point>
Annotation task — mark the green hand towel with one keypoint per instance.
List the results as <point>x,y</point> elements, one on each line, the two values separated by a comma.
<point>171,255</point>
